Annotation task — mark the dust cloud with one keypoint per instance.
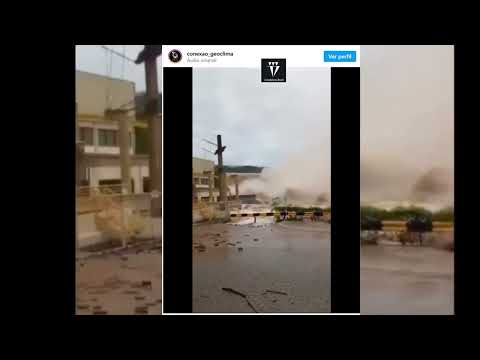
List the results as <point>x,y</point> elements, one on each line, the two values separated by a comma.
<point>407,123</point>
<point>302,179</point>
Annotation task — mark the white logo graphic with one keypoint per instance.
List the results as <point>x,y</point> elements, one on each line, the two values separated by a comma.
<point>273,65</point>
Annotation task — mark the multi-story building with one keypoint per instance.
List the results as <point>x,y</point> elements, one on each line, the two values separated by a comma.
<point>98,133</point>
<point>203,172</point>
<point>204,169</point>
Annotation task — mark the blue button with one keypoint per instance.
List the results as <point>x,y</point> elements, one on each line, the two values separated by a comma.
<point>339,56</point>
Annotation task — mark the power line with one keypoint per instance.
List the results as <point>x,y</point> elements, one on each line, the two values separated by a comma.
<point>211,152</point>
<point>117,53</point>
<point>123,62</point>
<point>210,142</point>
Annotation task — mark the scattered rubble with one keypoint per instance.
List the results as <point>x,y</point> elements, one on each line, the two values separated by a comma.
<point>276,292</point>
<point>141,310</point>
<point>233,291</point>
<point>100,312</point>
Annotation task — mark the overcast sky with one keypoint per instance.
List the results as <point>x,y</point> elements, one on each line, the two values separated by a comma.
<point>261,124</point>
<point>407,112</point>
<point>93,58</point>
<point>407,118</point>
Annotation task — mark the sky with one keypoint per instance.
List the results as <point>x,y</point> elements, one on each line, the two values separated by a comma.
<point>94,59</point>
<point>407,115</point>
<point>407,120</point>
<point>283,126</point>
<point>262,124</point>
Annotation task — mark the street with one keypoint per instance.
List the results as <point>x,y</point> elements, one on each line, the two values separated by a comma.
<point>410,280</point>
<point>126,282</point>
<point>283,267</point>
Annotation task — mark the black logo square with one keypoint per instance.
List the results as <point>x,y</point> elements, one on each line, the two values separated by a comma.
<point>274,70</point>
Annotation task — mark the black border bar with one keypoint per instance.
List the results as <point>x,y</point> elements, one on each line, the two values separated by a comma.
<point>177,184</point>
<point>345,189</point>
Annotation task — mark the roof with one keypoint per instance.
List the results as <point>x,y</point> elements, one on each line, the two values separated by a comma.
<point>104,76</point>
<point>246,169</point>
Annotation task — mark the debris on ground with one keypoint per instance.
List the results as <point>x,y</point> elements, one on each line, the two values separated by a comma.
<point>130,292</point>
<point>276,292</point>
<point>250,304</point>
<point>147,284</point>
<point>100,312</point>
<point>233,291</point>
<point>141,310</point>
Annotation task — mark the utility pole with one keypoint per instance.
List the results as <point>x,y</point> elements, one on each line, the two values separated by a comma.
<point>123,121</point>
<point>221,171</point>
<point>149,56</point>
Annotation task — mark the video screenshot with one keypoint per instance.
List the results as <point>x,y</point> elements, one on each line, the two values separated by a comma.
<point>294,150</point>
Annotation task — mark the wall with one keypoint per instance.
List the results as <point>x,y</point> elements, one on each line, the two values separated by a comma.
<point>138,172</point>
<point>201,165</point>
<point>95,93</point>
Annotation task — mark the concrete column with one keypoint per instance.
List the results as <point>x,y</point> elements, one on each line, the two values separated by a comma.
<point>155,162</point>
<point>194,190</point>
<point>211,184</point>
<point>124,141</point>
<point>237,197</point>
<point>121,118</point>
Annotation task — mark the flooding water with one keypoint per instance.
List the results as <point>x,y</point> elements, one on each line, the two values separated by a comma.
<point>413,280</point>
<point>251,259</point>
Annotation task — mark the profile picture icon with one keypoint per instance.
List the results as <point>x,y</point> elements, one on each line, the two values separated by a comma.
<point>175,56</point>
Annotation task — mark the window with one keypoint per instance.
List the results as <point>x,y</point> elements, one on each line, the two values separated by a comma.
<point>107,137</point>
<point>141,141</point>
<point>197,180</point>
<point>146,184</point>
<point>204,181</point>
<point>86,135</point>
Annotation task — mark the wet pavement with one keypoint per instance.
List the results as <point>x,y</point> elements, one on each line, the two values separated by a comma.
<point>271,268</point>
<point>126,282</point>
<point>410,280</point>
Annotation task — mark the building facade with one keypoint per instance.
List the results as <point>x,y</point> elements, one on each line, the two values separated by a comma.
<point>203,180</point>
<point>98,133</point>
